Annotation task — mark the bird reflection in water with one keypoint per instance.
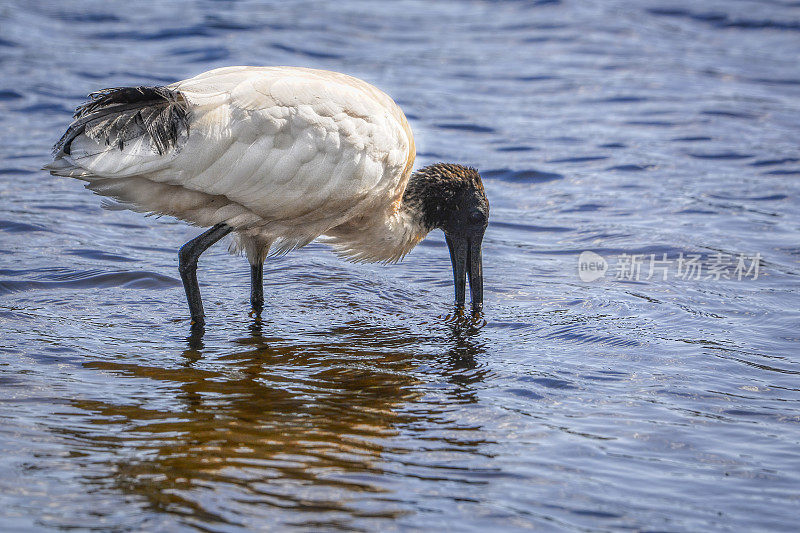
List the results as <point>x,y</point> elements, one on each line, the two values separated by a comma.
<point>324,423</point>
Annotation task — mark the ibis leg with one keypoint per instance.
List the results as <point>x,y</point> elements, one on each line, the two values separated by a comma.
<point>257,287</point>
<point>187,266</point>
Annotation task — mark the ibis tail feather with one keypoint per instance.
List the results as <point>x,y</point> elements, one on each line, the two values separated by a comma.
<point>117,115</point>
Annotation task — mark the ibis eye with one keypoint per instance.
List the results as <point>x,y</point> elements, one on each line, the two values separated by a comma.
<point>477,218</point>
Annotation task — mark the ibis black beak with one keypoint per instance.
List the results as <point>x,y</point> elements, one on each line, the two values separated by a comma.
<point>465,255</point>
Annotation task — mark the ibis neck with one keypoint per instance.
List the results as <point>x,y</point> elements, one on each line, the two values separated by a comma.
<point>383,237</point>
<point>388,235</point>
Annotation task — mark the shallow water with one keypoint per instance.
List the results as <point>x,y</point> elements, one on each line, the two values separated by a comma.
<point>615,127</point>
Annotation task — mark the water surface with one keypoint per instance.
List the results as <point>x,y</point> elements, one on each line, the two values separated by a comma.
<point>615,127</point>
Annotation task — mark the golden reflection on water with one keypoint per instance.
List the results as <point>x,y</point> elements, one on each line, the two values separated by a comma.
<point>286,425</point>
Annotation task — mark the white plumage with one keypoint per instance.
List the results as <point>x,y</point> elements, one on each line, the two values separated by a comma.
<point>282,155</point>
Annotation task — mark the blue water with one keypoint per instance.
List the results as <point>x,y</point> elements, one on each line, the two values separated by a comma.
<point>629,402</point>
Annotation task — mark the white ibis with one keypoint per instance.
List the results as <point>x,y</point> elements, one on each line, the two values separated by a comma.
<point>278,156</point>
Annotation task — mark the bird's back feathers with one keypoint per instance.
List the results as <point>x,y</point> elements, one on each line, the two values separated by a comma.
<point>282,154</point>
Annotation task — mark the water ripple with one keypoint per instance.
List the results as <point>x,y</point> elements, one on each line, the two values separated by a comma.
<point>128,280</point>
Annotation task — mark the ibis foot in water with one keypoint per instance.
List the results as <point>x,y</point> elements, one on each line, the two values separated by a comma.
<point>187,266</point>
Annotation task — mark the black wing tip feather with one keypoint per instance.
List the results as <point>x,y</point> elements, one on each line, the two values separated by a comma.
<point>126,96</point>
<point>118,114</point>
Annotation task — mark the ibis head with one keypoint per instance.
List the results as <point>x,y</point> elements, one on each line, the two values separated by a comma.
<point>451,197</point>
